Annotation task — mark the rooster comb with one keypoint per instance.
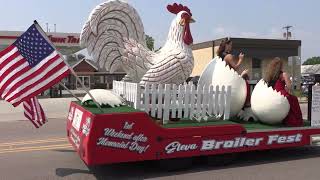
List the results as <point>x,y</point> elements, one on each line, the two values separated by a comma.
<point>176,8</point>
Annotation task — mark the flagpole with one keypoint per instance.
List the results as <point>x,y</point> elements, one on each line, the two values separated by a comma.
<point>65,87</point>
<point>70,68</point>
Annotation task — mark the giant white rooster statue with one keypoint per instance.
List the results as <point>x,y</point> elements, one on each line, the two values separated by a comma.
<point>114,36</point>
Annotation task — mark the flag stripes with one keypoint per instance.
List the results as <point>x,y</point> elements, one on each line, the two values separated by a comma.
<point>34,112</point>
<point>19,81</point>
<point>28,67</point>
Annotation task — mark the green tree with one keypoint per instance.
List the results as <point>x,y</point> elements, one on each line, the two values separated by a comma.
<point>150,42</point>
<point>312,61</point>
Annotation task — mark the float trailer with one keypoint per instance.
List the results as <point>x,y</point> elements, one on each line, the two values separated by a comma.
<point>124,134</point>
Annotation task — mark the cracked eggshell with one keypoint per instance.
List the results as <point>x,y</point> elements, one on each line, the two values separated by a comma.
<point>218,73</point>
<point>104,97</point>
<point>269,105</point>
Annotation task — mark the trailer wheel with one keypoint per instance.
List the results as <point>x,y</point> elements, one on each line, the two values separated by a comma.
<point>175,164</point>
<point>222,159</point>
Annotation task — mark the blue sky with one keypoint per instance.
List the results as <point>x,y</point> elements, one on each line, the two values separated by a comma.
<point>215,19</point>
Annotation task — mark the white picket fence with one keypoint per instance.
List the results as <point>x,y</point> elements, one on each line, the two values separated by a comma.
<point>172,101</point>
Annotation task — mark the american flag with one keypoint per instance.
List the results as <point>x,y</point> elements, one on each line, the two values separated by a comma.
<point>34,112</point>
<point>29,66</point>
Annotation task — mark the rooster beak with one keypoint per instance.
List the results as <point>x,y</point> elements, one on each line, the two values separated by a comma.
<point>192,20</point>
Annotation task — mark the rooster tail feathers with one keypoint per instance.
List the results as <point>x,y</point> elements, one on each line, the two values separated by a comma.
<point>104,34</point>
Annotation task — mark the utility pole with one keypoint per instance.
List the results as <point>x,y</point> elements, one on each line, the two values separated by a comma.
<point>292,60</point>
<point>47,25</point>
<point>287,34</point>
<point>55,28</point>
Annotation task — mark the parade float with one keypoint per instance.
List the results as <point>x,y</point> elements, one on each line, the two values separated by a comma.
<point>152,114</point>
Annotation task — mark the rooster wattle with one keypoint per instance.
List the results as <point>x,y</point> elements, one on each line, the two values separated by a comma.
<point>114,36</point>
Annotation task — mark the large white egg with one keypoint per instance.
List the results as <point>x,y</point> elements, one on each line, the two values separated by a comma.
<point>269,105</point>
<point>218,73</point>
<point>104,97</point>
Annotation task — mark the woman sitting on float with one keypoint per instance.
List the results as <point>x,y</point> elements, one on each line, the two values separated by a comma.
<point>279,81</point>
<point>224,52</point>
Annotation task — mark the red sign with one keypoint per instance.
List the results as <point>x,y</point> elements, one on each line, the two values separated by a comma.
<point>68,39</point>
<point>54,39</point>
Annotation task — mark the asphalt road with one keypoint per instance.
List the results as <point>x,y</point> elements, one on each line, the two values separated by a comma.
<point>29,153</point>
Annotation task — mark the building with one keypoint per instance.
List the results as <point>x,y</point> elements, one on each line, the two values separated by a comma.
<point>258,53</point>
<point>89,73</point>
<point>68,45</point>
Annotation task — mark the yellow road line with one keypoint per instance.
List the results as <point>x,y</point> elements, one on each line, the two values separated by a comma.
<point>38,148</point>
<point>32,147</point>
<point>43,149</point>
<point>33,141</point>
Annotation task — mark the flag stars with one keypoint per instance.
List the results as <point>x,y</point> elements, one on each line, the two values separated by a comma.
<point>33,46</point>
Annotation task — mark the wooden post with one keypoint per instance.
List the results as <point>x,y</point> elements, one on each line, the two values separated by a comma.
<point>227,104</point>
<point>167,97</point>
<point>153,99</point>
<point>222,100</point>
<point>160,106</point>
<point>181,92</point>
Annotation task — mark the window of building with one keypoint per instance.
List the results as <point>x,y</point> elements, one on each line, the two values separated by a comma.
<point>85,80</point>
<point>97,79</point>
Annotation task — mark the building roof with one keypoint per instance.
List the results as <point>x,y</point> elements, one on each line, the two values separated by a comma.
<point>250,42</point>
<point>91,63</point>
<point>310,69</point>
<point>89,59</point>
<point>257,47</point>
